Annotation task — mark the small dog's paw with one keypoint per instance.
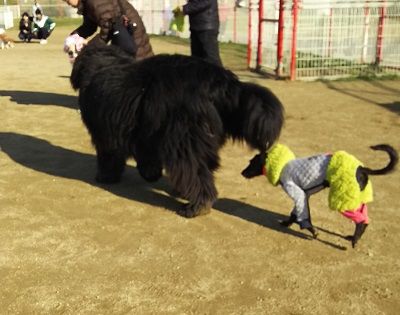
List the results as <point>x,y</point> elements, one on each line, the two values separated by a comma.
<point>192,210</point>
<point>313,232</point>
<point>359,231</point>
<point>285,223</point>
<point>289,221</point>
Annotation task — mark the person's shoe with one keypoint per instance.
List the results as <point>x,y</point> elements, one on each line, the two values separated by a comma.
<point>43,41</point>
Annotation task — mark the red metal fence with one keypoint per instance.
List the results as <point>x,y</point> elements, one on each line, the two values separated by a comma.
<point>325,39</point>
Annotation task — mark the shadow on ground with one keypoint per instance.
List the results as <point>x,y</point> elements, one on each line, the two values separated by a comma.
<point>379,88</point>
<point>41,98</point>
<point>40,155</point>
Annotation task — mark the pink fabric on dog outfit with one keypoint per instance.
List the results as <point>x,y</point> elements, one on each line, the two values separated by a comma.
<point>360,215</point>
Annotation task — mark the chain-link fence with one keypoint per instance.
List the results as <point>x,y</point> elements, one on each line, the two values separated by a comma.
<point>313,39</point>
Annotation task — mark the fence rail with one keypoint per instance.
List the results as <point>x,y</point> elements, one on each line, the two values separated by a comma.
<point>289,38</point>
<point>329,39</point>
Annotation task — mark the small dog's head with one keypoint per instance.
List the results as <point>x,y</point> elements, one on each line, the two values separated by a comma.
<point>73,44</point>
<point>256,166</point>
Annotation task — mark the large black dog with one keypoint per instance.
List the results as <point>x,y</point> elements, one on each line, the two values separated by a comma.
<point>170,112</point>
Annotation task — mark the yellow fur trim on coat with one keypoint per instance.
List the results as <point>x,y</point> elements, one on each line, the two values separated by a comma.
<point>344,192</point>
<point>278,156</point>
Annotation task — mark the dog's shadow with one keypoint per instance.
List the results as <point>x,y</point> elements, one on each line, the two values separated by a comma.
<point>40,155</point>
<point>41,98</point>
<point>267,219</point>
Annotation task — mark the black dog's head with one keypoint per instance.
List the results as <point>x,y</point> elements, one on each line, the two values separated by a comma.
<point>255,167</point>
<point>261,116</point>
<point>95,57</point>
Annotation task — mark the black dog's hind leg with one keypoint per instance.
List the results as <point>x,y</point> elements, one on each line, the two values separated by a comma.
<point>110,165</point>
<point>148,162</point>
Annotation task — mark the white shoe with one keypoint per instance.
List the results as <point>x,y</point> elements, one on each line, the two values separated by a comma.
<point>43,41</point>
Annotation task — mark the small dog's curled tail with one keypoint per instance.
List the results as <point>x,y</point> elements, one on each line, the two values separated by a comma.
<point>394,159</point>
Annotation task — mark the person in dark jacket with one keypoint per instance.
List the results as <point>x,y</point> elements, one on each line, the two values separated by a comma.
<point>109,15</point>
<point>25,28</point>
<point>204,29</point>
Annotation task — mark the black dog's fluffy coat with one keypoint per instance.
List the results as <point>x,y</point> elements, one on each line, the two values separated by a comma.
<point>169,112</point>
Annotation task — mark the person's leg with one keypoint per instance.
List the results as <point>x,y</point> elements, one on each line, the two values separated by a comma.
<point>210,46</point>
<point>45,33</point>
<point>196,47</point>
<point>22,36</point>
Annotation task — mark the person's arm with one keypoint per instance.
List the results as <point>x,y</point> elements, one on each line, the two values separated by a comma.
<point>196,6</point>
<point>104,15</point>
<point>51,23</point>
<point>86,29</point>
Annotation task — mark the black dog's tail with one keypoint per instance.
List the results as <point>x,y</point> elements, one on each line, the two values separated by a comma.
<point>394,159</point>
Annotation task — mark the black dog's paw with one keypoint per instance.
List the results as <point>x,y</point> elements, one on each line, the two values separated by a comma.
<point>193,210</point>
<point>150,173</point>
<point>107,178</point>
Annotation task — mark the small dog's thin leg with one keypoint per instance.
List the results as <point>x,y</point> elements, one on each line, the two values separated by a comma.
<point>359,231</point>
<point>313,232</point>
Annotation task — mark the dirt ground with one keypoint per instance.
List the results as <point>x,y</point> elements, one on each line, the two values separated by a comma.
<point>71,246</point>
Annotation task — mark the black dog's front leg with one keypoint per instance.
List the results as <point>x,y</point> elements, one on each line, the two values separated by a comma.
<point>148,162</point>
<point>110,165</point>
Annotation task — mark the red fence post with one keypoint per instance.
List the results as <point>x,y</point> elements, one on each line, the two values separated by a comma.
<point>260,28</point>
<point>234,23</point>
<point>249,41</point>
<point>379,41</point>
<point>281,24</point>
<point>294,41</point>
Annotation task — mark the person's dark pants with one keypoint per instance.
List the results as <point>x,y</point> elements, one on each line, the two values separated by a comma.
<point>204,44</point>
<point>25,37</point>
<point>43,33</point>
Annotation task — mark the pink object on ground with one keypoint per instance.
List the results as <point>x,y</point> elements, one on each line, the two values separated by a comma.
<point>360,215</point>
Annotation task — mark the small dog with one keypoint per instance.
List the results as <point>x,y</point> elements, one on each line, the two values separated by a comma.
<point>350,188</point>
<point>5,41</point>
<point>73,44</point>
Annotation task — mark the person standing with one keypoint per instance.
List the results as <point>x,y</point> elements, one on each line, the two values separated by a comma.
<point>109,15</point>
<point>204,29</point>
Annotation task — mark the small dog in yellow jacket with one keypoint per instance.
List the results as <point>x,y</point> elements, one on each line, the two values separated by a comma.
<point>350,188</point>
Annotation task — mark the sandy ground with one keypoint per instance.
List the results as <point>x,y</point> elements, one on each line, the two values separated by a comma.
<point>71,246</point>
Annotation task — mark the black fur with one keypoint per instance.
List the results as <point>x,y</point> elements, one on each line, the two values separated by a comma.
<point>170,112</point>
<point>257,163</point>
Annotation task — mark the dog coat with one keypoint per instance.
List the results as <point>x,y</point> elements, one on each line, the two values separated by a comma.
<point>297,175</point>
